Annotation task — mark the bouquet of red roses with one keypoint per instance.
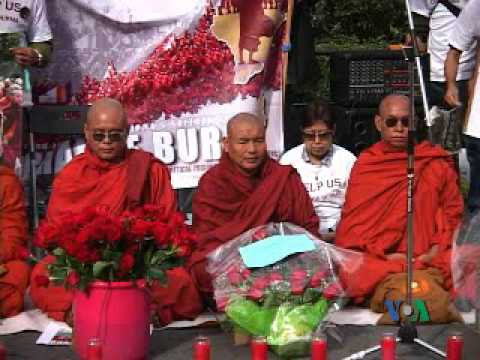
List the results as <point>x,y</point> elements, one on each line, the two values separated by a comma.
<point>96,245</point>
<point>285,296</point>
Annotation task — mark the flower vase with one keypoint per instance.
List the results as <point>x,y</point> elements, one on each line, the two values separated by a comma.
<point>117,314</point>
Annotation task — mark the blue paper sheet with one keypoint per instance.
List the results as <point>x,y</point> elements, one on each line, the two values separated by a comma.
<point>273,249</point>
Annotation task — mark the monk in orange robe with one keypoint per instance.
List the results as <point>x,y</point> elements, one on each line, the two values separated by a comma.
<point>116,178</point>
<point>246,189</point>
<point>14,273</point>
<point>374,217</point>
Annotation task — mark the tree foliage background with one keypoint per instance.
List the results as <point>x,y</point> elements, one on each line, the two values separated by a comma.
<point>347,24</point>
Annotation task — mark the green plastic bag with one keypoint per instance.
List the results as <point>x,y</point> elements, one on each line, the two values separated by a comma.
<point>293,326</point>
<point>251,317</point>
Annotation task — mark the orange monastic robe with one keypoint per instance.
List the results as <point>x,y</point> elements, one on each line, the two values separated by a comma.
<point>13,237</point>
<point>139,179</point>
<point>374,216</point>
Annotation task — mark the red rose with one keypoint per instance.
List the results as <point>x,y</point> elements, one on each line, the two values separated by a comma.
<point>221,303</point>
<point>317,278</point>
<point>140,228</point>
<point>234,276</point>
<point>298,275</point>
<point>275,276</point>
<point>23,253</point>
<point>126,263</point>
<point>261,282</point>
<point>42,280</point>
<point>176,220</point>
<point>255,294</point>
<point>46,236</point>
<point>259,234</point>
<point>331,291</point>
<point>245,273</point>
<point>112,231</point>
<point>297,287</point>
<point>72,279</point>
<point>183,250</point>
<point>161,233</point>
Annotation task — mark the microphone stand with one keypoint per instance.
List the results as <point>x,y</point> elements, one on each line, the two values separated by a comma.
<point>407,332</point>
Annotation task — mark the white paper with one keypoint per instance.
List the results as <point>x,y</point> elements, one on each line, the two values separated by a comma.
<point>56,334</point>
<point>201,319</point>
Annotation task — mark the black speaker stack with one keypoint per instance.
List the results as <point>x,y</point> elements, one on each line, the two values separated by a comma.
<point>359,79</point>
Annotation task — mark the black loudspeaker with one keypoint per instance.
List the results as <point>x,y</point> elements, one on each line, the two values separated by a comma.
<point>355,128</point>
<point>361,78</point>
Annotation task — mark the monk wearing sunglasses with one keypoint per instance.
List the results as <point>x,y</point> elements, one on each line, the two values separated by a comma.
<point>108,174</point>
<point>374,216</point>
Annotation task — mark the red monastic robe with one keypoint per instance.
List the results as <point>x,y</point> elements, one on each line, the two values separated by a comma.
<point>228,203</point>
<point>139,179</point>
<point>253,24</point>
<point>374,216</point>
<point>13,238</point>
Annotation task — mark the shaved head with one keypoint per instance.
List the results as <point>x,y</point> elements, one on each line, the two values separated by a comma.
<point>105,107</point>
<point>106,129</point>
<point>395,99</point>
<point>392,120</point>
<point>245,142</point>
<point>243,118</point>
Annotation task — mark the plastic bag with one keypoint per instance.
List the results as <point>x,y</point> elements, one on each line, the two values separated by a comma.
<point>466,264</point>
<point>286,301</point>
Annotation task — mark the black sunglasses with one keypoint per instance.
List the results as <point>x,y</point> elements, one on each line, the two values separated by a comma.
<point>393,121</point>
<point>113,136</point>
<point>311,136</point>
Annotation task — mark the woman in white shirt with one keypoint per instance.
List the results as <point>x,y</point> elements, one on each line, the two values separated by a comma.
<point>323,166</point>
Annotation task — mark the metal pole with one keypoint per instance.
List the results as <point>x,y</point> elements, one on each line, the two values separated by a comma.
<point>421,80</point>
<point>410,183</point>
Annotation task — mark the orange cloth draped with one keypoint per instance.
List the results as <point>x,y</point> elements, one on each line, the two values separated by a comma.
<point>374,216</point>
<point>13,237</point>
<point>88,181</point>
<point>228,203</point>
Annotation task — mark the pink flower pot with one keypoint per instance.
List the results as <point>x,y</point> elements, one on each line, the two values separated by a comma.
<point>118,315</point>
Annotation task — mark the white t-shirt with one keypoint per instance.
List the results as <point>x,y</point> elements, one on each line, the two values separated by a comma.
<point>465,32</point>
<point>326,183</point>
<point>441,25</point>
<point>31,21</point>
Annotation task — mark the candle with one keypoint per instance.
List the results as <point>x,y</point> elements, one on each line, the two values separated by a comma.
<point>201,348</point>
<point>388,346</point>
<point>94,349</point>
<point>454,347</point>
<point>318,348</point>
<point>3,352</point>
<point>258,348</point>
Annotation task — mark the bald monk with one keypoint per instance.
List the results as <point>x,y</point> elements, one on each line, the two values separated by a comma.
<point>246,189</point>
<point>114,177</point>
<point>14,273</point>
<point>374,216</point>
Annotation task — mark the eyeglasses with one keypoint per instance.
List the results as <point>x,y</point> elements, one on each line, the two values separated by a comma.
<point>113,136</point>
<point>393,121</point>
<point>320,135</point>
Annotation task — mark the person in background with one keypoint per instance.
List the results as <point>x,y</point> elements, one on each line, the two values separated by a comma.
<point>465,33</point>
<point>28,19</point>
<point>441,16</point>
<point>323,166</point>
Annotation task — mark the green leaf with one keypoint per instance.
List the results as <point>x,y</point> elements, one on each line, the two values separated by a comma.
<point>99,267</point>
<point>157,273</point>
<point>58,252</point>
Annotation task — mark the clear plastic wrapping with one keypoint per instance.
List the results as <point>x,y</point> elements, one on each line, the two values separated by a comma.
<point>286,301</point>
